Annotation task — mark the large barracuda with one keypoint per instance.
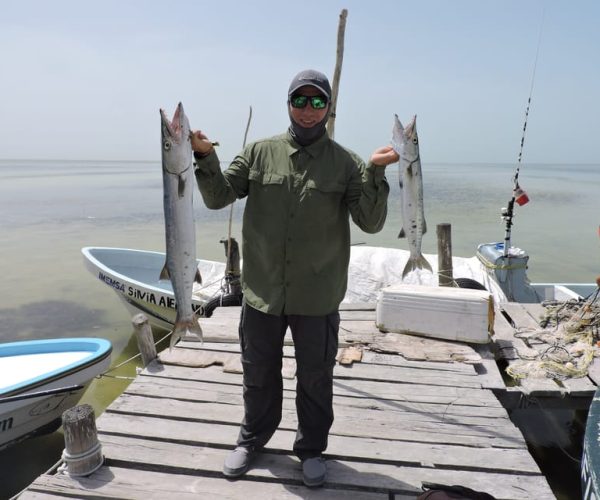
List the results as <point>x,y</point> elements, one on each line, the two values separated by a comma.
<point>178,184</point>
<point>405,142</point>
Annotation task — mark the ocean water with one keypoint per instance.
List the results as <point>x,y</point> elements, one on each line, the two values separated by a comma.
<point>49,210</point>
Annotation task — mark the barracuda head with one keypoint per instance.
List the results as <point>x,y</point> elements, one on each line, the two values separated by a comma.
<point>175,140</point>
<point>405,140</point>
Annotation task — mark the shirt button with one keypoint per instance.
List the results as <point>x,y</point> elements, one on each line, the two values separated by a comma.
<point>287,283</point>
<point>288,261</point>
<point>289,240</point>
<point>291,216</point>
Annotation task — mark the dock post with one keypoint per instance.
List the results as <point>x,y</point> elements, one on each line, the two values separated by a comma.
<point>444,239</point>
<point>145,340</point>
<point>83,452</point>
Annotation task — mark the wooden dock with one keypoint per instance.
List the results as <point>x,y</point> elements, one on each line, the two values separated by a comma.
<point>412,410</point>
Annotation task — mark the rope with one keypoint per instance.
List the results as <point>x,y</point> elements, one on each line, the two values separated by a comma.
<point>123,363</point>
<point>570,330</point>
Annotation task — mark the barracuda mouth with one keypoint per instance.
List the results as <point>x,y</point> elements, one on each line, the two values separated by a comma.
<point>411,129</point>
<point>173,128</point>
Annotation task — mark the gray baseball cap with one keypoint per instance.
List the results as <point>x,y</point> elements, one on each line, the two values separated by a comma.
<point>314,79</point>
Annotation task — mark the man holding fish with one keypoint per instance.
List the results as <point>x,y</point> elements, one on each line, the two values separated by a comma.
<point>301,188</point>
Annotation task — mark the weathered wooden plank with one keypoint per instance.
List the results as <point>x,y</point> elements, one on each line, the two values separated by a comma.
<point>340,447</point>
<point>117,482</point>
<point>360,313</point>
<point>358,306</point>
<point>380,476</point>
<point>231,363</point>
<point>41,495</point>
<point>232,394</point>
<point>442,429</point>
<point>506,340</point>
<point>406,375</point>
<point>358,388</point>
<point>527,315</point>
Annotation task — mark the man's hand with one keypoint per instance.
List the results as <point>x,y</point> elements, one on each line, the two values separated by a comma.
<point>384,156</point>
<point>200,142</point>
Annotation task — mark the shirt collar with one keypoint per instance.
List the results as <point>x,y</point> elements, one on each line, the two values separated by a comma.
<point>312,149</point>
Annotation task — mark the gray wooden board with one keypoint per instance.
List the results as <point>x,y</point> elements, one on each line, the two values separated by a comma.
<point>342,474</point>
<point>408,426</point>
<point>407,375</point>
<point>357,388</point>
<point>340,447</point>
<point>118,482</point>
<point>202,358</point>
<point>358,306</point>
<point>228,314</point>
<point>232,394</point>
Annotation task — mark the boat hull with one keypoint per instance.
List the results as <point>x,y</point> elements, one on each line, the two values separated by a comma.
<point>590,463</point>
<point>134,275</point>
<point>40,379</point>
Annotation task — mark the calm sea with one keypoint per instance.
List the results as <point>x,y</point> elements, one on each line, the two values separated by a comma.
<point>49,210</point>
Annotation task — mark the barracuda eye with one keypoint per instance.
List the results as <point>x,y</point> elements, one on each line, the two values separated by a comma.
<point>415,140</point>
<point>167,145</point>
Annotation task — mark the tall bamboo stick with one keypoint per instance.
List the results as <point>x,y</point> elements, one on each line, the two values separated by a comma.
<point>337,72</point>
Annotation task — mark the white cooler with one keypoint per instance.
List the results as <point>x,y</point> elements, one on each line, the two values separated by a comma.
<point>441,312</point>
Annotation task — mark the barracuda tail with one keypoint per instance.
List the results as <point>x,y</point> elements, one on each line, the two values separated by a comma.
<point>416,262</point>
<point>183,328</point>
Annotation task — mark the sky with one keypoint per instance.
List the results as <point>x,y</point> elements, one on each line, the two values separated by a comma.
<point>85,80</point>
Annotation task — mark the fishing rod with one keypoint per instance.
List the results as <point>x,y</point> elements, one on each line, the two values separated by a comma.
<point>518,194</point>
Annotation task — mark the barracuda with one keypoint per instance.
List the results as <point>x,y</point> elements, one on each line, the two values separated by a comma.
<point>181,266</point>
<point>405,142</point>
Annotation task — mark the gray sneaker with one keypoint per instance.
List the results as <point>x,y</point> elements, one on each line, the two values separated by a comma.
<point>314,471</point>
<point>237,462</point>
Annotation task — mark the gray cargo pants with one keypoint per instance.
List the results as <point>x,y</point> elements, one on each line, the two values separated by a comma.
<point>261,341</point>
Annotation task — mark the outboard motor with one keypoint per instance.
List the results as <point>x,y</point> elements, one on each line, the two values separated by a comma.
<point>509,271</point>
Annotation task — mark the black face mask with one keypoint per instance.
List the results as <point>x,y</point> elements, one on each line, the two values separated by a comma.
<point>306,136</point>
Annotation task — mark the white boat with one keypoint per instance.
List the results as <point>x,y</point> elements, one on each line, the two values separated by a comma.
<point>134,276</point>
<point>40,379</point>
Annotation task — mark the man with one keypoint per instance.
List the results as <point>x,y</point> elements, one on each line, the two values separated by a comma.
<point>301,189</point>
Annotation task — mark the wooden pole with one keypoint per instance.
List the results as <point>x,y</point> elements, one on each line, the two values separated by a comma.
<point>145,340</point>
<point>83,452</point>
<point>444,238</point>
<point>337,72</point>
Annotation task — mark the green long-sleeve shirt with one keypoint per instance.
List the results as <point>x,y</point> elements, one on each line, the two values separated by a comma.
<point>296,230</point>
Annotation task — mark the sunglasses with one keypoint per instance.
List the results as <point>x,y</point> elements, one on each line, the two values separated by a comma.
<point>300,101</point>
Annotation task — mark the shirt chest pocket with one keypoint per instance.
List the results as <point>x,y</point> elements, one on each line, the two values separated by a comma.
<point>265,191</point>
<point>325,188</point>
<point>265,178</point>
<point>324,198</point>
